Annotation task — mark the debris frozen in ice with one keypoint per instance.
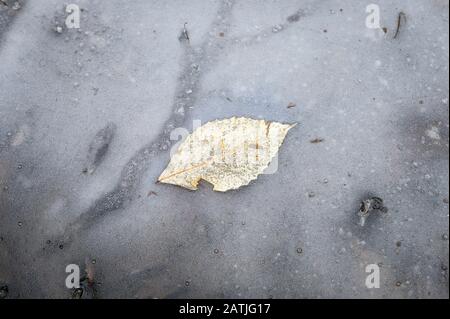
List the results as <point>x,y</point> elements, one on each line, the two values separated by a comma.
<point>368,206</point>
<point>99,147</point>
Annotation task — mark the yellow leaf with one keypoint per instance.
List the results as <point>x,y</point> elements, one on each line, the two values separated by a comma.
<point>227,153</point>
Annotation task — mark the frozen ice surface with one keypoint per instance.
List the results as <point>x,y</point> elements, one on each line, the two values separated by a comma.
<point>380,105</point>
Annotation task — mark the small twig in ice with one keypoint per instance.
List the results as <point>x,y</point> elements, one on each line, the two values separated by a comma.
<point>291,105</point>
<point>4,3</point>
<point>185,32</point>
<point>317,141</point>
<point>150,193</point>
<point>399,22</point>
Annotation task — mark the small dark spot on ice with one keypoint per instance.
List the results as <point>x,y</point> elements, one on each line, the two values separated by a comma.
<point>291,105</point>
<point>184,35</point>
<point>77,293</point>
<point>99,147</point>
<point>150,193</point>
<point>316,140</point>
<point>4,291</point>
<point>295,17</point>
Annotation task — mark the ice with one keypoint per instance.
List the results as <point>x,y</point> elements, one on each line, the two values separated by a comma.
<point>379,104</point>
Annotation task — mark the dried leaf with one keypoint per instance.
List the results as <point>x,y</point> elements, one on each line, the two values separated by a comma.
<point>227,153</point>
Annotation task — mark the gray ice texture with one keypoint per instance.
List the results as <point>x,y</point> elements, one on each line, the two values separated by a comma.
<point>88,117</point>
